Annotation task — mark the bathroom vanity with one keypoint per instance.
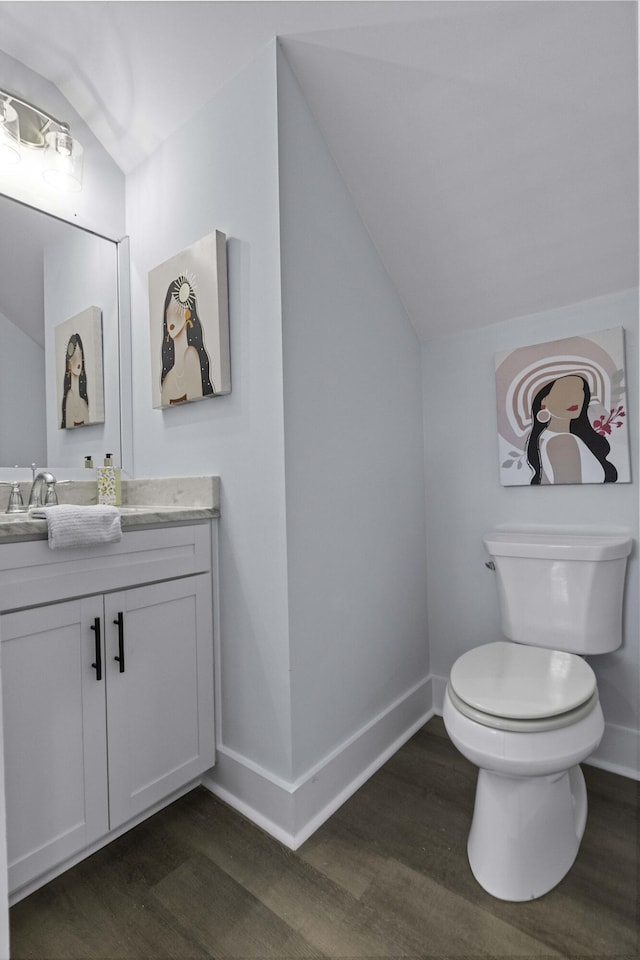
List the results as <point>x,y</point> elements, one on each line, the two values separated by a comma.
<point>106,656</point>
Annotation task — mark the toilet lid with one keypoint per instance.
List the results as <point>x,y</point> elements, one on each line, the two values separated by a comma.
<point>523,683</point>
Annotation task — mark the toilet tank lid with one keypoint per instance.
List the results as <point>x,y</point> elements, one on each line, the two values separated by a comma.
<point>557,546</point>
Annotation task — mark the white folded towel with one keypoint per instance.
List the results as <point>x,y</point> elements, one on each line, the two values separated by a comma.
<point>73,526</point>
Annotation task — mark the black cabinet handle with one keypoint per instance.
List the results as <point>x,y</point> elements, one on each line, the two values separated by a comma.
<point>97,666</point>
<point>120,625</point>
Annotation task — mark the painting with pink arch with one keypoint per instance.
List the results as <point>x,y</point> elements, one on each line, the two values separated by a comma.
<point>562,411</point>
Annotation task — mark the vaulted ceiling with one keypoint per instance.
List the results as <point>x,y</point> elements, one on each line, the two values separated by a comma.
<point>490,146</point>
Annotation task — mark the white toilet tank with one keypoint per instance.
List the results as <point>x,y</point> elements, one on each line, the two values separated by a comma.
<point>562,591</point>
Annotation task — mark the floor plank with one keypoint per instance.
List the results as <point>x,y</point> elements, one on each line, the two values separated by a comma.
<point>386,877</point>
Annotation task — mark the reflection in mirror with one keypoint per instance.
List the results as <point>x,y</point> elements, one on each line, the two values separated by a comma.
<point>51,271</point>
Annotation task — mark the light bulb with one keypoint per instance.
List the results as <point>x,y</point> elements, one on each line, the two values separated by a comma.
<point>9,135</point>
<point>63,162</point>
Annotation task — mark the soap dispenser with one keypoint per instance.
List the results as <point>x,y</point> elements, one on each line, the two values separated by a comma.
<point>109,483</point>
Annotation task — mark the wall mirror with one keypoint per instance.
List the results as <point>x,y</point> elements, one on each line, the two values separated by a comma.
<point>50,272</point>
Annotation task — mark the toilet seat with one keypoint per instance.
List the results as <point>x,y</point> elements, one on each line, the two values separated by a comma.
<point>512,687</point>
<point>524,726</point>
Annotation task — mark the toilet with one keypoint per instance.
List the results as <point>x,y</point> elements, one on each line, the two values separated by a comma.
<point>525,710</point>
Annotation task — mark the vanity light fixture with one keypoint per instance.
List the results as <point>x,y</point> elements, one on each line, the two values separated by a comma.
<point>33,137</point>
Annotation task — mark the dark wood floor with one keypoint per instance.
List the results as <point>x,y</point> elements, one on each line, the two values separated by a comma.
<point>385,877</point>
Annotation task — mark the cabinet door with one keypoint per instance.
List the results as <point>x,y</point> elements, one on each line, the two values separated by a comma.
<point>159,693</point>
<point>54,735</point>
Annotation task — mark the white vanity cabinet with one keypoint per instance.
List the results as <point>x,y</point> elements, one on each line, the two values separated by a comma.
<point>160,706</point>
<point>107,697</point>
<point>55,748</point>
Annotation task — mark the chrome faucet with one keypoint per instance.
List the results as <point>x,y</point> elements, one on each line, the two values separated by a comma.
<point>43,490</point>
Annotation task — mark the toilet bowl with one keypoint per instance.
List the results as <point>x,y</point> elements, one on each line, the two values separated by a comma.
<point>527,714</point>
<point>530,806</point>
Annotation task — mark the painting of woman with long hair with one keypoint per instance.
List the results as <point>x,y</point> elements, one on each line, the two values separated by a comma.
<point>77,370</point>
<point>563,447</point>
<point>185,361</point>
<point>562,411</point>
<point>189,324</point>
<point>75,400</point>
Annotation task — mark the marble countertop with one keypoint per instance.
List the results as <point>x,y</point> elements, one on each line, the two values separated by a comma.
<point>144,503</point>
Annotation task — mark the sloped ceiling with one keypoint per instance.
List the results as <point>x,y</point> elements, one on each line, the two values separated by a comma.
<point>490,147</point>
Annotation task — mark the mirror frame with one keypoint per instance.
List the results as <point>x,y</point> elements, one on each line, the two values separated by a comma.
<point>124,353</point>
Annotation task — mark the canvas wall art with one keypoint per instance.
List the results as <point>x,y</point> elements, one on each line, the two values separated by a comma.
<point>189,318</point>
<point>79,370</point>
<point>562,411</point>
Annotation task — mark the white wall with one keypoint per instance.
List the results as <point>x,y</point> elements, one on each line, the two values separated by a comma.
<point>319,446</point>
<point>100,204</point>
<point>353,453</point>
<point>220,172</point>
<point>22,402</point>
<point>465,498</point>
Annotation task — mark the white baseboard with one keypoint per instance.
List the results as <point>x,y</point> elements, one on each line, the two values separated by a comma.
<point>439,687</point>
<point>619,751</point>
<point>291,812</point>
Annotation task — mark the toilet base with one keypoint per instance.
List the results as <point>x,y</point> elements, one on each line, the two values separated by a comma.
<point>526,831</point>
